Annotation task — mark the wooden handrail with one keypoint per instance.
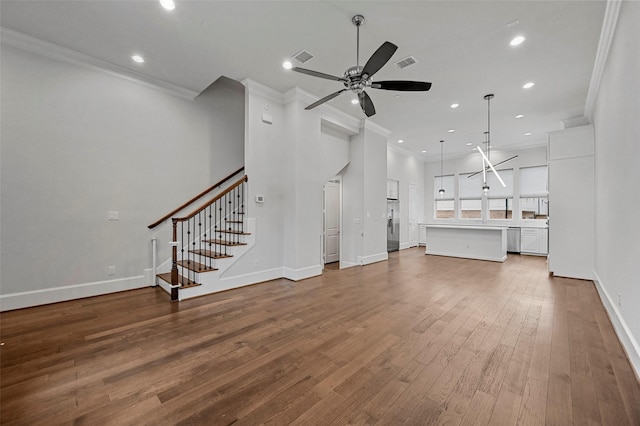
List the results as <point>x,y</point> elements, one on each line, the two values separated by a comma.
<point>208,203</point>
<point>194,199</point>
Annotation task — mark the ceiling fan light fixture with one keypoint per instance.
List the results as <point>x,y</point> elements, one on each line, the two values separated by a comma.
<point>355,101</point>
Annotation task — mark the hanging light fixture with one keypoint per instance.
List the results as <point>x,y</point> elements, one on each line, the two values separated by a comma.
<point>441,191</point>
<point>485,186</point>
<point>486,159</point>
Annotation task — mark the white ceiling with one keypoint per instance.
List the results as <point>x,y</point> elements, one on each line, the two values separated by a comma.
<point>462,47</point>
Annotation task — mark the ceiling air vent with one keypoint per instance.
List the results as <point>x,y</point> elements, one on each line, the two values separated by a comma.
<point>303,56</point>
<point>406,62</point>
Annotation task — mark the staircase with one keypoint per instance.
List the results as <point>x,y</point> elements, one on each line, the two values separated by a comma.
<point>207,241</point>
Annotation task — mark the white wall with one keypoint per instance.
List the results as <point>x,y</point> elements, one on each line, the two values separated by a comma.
<point>289,161</point>
<point>536,156</point>
<point>406,168</point>
<point>77,143</point>
<point>617,173</point>
<point>364,198</point>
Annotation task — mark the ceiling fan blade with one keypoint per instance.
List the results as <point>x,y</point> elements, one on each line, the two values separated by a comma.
<point>497,164</point>
<point>402,85</point>
<point>379,58</point>
<point>318,74</point>
<point>366,104</point>
<point>325,99</point>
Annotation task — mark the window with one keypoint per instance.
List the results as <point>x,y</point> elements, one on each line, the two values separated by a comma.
<point>534,200</point>
<point>500,197</point>
<point>470,196</point>
<point>445,205</point>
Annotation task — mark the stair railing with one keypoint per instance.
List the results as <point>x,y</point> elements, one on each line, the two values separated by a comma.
<point>216,185</point>
<point>204,235</point>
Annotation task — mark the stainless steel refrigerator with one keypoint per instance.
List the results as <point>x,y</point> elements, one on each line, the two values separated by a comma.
<point>393,225</point>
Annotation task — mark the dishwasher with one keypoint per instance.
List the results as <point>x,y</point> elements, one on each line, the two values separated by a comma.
<point>513,240</point>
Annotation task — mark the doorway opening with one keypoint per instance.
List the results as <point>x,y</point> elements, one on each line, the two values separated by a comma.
<point>332,218</point>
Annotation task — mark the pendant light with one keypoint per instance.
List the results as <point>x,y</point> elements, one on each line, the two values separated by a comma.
<point>441,191</point>
<point>485,186</point>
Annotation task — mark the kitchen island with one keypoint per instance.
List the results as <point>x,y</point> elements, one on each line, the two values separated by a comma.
<point>471,242</point>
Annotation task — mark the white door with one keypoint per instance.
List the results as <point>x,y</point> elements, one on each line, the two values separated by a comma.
<point>331,222</point>
<point>413,214</point>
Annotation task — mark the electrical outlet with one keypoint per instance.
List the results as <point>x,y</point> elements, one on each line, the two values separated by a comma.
<point>111,270</point>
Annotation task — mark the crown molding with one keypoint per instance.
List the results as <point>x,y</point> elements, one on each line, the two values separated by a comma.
<point>606,36</point>
<point>392,146</point>
<point>266,92</point>
<point>63,54</point>
<point>370,125</point>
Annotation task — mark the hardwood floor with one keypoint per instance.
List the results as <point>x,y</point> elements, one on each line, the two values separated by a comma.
<point>415,340</point>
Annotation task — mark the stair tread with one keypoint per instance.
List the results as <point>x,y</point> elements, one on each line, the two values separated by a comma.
<point>196,266</point>
<point>210,253</point>
<point>233,232</point>
<point>225,243</point>
<point>183,281</point>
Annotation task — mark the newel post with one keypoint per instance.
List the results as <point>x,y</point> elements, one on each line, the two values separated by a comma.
<point>174,262</point>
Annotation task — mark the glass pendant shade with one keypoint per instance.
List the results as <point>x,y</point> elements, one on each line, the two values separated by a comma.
<point>441,192</point>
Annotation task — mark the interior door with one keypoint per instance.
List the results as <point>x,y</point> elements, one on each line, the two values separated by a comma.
<point>331,222</point>
<point>413,214</point>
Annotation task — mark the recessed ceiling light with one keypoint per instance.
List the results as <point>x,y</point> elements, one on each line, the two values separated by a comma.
<point>528,134</point>
<point>424,150</point>
<point>137,58</point>
<point>287,65</point>
<point>517,40</point>
<point>354,101</point>
<point>468,143</point>
<point>397,96</point>
<point>528,85</point>
<point>451,130</point>
<point>168,4</point>
<point>455,105</point>
<point>400,141</point>
<point>519,115</point>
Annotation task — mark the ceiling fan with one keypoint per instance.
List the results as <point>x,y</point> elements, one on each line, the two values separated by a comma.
<point>359,78</point>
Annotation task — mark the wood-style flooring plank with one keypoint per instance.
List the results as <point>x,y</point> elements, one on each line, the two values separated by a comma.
<point>414,340</point>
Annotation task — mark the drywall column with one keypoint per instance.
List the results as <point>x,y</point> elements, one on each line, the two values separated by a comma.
<point>308,163</point>
<point>364,198</point>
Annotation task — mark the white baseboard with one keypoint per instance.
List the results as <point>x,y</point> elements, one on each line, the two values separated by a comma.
<point>404,246</point>
<point>302,273</point>
<point>345,265</point>
<point>373,258</point>
<point>470,256</point>
<point>231,283</point>
<point>629,342</point>
<point>28,299</point>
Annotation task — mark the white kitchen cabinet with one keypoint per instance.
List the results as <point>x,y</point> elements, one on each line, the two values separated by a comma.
<point>533,241</point>
<point>571,202</point>
<point>422,234</point>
